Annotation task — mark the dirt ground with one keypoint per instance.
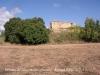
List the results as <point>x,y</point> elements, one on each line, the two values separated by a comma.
<point>63,59</point>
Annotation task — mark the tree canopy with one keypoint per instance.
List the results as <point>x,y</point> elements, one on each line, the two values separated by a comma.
<point>92,30</point>
<point>28,31</point>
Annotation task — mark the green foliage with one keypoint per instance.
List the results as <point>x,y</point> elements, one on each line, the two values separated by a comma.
<point>28,31</point>
<point>2,33</point>
<point>89,33</point>
<point>92,30</point>
<point>71,35</point>
<point>33,31</point>
<point>10,30</point>
<point>2,37</point>
<point>2,40</point>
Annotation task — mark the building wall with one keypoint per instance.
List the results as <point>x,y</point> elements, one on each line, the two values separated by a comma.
<point>65,25</point>
<point>57,26</point>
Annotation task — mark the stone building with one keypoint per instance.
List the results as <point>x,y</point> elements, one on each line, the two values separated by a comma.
<point>58,26</point>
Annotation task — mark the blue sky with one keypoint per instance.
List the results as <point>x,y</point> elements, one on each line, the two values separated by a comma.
<point>50,10</point>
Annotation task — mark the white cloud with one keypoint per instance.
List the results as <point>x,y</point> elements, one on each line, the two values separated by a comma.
<point>56,5</point>
<point>5,15</point>
<point>15,10</point>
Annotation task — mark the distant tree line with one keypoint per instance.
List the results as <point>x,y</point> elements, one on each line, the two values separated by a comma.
<point>89,33</point>
<point>28,31</point>
<point>33,31</point>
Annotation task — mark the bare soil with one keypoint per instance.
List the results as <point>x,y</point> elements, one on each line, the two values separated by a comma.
<point>63,59</point>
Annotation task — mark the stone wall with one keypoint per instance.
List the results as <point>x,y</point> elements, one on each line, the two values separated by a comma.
<point>58,26</point>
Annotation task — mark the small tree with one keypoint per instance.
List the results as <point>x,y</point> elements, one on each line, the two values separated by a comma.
<point>92,30</point>
<point>89,26</point>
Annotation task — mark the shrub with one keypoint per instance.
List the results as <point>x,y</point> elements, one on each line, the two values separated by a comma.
<point>28,31</point>
<point>72,34</point>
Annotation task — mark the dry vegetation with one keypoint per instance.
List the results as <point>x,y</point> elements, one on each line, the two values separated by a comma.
<point>72,59</point>
<point>1,40</point>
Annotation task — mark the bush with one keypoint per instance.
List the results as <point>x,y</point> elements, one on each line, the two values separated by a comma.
<point>2,33</point>
<point>28,31</point>
<point>91,31</point>
<point>2,39</point>
<point>71,35</point>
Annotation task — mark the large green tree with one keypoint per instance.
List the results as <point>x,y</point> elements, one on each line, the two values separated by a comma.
<point>28,31</point>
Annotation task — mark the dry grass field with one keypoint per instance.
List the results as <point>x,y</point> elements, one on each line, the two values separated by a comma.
<point>63,59</point>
